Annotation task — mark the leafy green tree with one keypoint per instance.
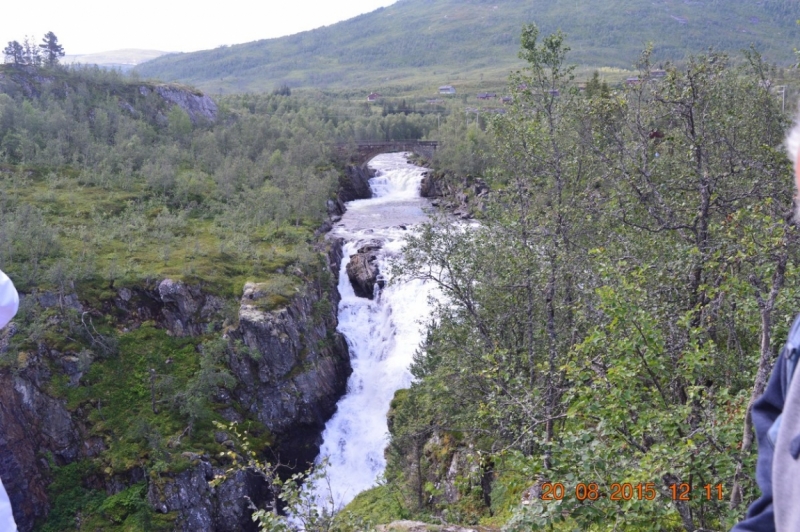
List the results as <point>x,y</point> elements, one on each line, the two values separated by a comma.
<point>628,283</point>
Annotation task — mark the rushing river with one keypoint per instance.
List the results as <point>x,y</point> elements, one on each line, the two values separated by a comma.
<point>382,333</point>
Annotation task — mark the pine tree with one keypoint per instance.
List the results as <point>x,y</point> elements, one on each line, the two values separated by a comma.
<point>14,53</point>
<point>52,49</point>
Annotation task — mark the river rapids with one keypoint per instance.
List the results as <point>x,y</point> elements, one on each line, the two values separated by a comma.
<point>382,334</point>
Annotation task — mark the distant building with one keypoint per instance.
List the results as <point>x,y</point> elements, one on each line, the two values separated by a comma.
<point>487,95</point>
<point>554,92</point>
<point>633,80</point>
<point>373,97</point>
<point>506,99</point>
<point>447,89</point>
<point>658,73</point>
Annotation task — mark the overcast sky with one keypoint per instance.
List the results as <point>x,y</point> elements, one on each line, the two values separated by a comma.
<point>88,26</point>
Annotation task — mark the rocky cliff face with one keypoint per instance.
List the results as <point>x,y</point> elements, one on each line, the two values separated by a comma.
<point>197,105</point>
<point>291,381</point>
<point>464,197</point>
<point>355,184</point>
<point>33,426</point>
<point>294,386</point>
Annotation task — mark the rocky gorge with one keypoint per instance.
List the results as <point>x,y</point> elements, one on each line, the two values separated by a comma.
<point>288,376</point>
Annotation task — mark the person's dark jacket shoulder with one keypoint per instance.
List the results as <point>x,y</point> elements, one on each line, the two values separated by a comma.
<point>766,410</point>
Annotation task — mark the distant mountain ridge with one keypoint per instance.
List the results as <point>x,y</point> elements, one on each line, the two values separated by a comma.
<point>440,40</point>
<point>124,59</point>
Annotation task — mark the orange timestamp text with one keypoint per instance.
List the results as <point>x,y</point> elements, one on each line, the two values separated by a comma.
<point>625,491</point>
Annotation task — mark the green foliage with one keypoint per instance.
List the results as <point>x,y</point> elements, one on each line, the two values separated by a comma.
<point>70,497</point>
<point>376,505</point>
<point>118,507</point>
<point>310,512</point>
<point>632,277</point>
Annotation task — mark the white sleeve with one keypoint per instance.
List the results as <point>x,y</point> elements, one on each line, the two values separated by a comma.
<point>9,300</point>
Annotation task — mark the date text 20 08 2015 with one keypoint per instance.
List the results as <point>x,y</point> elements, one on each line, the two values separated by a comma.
<point>619,491</point>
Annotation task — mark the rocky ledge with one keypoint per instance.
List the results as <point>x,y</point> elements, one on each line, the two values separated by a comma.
<point>363,272</point>
<point>295,373</point>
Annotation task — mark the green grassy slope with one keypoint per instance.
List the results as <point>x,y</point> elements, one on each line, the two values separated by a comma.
<point>430,42</point>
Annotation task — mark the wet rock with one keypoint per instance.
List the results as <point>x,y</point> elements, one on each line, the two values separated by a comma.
<point>429,186</point>
<point>324,228</point>
<point>362,270</point>
<point>335,208</point>
<point>355,184</point>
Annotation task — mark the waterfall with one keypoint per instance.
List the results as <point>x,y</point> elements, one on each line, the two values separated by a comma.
<point>382,334</point>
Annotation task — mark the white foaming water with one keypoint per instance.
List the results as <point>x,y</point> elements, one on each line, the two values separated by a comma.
<point>382,334</point>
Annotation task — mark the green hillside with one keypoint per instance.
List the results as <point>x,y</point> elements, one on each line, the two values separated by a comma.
<point>423,43</point>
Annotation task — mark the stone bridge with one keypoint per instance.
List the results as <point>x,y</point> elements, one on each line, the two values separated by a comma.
<point>366,150</point>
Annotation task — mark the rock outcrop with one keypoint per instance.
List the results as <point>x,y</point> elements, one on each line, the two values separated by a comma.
<point>187,310</point>
<point>296,371</point>
<point>362,270</point>
<point>464,198</point>
<point>32,82</point>
<point>33,425</point>
<point>429,187</point>
<point>197,105</point>
<point>355,184</point>
<point>301,372</point>
<point>200,506</point>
